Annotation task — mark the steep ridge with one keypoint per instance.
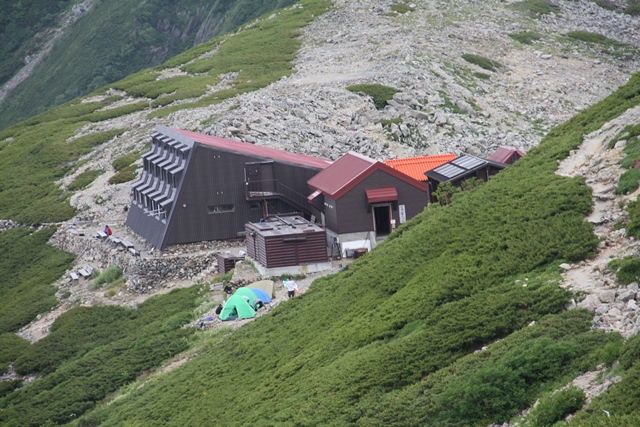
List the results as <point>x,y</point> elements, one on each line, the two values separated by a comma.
<point>97,43</point>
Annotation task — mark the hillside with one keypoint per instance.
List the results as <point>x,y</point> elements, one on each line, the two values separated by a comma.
<point>458,318</point>
<point>53,52</point>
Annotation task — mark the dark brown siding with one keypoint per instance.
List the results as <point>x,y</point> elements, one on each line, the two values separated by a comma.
<point>354,212</point>
<point>216,177</point>
<point>283,251</point>
<point>331,214</point>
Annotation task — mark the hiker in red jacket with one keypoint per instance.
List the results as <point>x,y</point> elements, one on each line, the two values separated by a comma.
<point>107,231</point>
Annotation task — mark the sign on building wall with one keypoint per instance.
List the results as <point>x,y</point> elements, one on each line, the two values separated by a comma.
<point>403,214</point>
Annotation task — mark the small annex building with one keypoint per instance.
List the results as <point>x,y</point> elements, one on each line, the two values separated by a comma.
<point>196,187</point>
<point>507,155</point>
<point>287,244</point>
<point>460,169</point>
<point>415,167</point>
<point>360,200</point>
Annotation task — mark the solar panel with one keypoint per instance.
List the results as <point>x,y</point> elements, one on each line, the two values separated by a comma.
<point>468,162</point>
<point>449,170</point>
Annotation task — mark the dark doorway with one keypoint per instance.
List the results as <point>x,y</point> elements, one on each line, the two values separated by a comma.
<point>259,178</point>
<point>382,218</point>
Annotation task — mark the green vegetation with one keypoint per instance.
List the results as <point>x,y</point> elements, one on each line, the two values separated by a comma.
<point>84,179</point>
<point>125,170</point>
<point>401,8</point>
<point>482,76</point>
<point>526,37</point>
<point>536,8</point>
<point>590,37</point>
<point>11,347</point>
<point>557,406</point>
<point>92,351</point>
<point>379,93</point>
<point>28,266</point>
<point>604,44</point>
<point>633,7</point>
<point>627,270</point>
<point>448,105</point>
<point>629,179</point>
<point>482,62</point>
<point>110,275</point>
<point>112,40</point>
<point>20,24</point>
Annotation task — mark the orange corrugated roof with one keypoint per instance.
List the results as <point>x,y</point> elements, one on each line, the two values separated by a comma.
<point>415,167</point>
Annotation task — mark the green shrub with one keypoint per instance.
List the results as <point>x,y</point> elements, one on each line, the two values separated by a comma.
<point>387,123</point>
<point>526,37</point>
<point>28,267</point>
<point>482,62</point>
<point>8,386</point>
<point>590,37</point>
<point>380,93</point>
<point>84,179</point>
<point>125,161</point>
<point>11,347</point>
<point>627,270</point>
<point>401,8</point>
<point>125,175</point>
<point>633,7</point>
<point>482,76</point>
<point>630,353</point>
<point>535,8</point>
<point>110,275</point>
<point>557,406</point>
<point>86,143</point>
<point>628,182</point>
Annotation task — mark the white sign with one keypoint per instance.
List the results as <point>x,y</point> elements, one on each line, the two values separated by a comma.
<point>403,214</point>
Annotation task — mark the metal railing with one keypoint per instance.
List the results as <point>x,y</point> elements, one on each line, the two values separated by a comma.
<point>274,188</point>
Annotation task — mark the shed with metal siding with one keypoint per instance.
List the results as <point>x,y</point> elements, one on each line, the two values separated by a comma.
<point>284,241</point>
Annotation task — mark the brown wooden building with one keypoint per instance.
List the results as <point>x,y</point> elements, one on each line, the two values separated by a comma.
<point>360,200</point>
<point>197,187</point>
<point>286,244</point>
<point>507,155</point>
<point>458,170</point>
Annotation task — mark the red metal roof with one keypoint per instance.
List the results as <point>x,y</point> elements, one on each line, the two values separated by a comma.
<point>256,150</point>
<point>378,195</point>
<point>351,169</point>
<point>415,167</point>
<point>504,153</point>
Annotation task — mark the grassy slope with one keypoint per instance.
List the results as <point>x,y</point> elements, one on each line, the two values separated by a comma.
<point>27,267</point>
<point>118,38</point>
<point>405,315</point>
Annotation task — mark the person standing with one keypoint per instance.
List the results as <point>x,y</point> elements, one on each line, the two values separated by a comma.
<point>291,286</point>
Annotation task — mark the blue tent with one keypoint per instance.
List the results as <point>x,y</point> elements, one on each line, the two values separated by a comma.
<point>262,295</point>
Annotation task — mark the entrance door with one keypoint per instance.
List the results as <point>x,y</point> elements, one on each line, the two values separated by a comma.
<point>259,178</point>
<point>382,220</point>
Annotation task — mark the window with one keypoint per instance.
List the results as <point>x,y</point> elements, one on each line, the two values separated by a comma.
<point>221,209</point>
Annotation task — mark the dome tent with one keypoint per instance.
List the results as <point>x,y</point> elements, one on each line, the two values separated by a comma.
<point>235,307</point>
<point>262,295</point>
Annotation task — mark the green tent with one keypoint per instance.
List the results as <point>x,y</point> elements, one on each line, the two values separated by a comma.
<point>237,306</point>
<point>248,293</point>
